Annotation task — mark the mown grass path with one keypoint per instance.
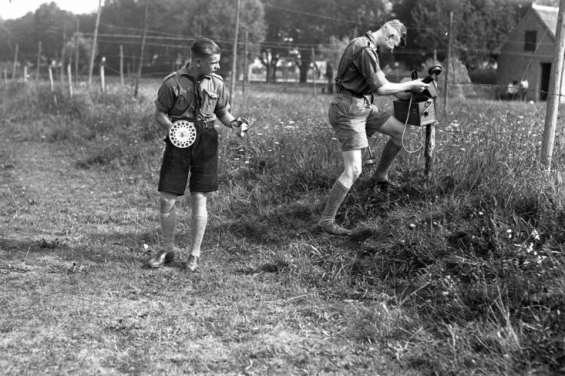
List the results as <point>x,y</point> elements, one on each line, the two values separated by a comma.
<point>76,299</point>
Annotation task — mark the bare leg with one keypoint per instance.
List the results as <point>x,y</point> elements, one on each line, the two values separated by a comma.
<point>168,216</point>
<point>198,223</point>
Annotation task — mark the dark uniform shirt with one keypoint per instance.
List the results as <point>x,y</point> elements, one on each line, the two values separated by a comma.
<point>359,66</point>
<point>181,95</point>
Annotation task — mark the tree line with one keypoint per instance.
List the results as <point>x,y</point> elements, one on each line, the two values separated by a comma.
<point>293,32</point>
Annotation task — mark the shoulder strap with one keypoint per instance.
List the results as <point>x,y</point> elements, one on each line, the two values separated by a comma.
<point>341,72</point>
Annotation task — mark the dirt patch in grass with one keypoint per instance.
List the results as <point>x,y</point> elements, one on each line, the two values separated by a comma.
<point>76,298</point>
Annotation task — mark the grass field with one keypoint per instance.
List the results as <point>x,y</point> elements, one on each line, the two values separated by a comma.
<point>460,273</point>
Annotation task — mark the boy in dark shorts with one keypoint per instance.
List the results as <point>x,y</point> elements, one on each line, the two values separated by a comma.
<point>198,95</point>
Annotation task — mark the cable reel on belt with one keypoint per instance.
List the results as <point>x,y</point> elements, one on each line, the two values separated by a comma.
<point>182,134</point>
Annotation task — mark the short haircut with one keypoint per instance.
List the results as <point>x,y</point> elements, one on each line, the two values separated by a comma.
<point>400,28</point>
<point>203,48</point>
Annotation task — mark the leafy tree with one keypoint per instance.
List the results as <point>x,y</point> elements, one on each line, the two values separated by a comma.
<point>479,27</point>
<point>173,25</point>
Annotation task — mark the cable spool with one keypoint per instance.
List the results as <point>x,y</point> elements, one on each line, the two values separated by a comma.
<point>182,134</point>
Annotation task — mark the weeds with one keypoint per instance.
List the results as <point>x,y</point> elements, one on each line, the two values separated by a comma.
<point>459,273</point>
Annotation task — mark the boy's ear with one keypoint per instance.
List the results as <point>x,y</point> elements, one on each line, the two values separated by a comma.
<point>402,43</point>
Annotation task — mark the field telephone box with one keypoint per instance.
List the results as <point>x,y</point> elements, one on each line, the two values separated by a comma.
<point>419,108</point>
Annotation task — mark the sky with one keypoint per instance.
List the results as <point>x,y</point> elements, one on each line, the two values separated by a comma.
<point>18,8</point>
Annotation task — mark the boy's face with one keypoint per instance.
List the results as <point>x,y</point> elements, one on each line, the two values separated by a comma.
<point>209,64</point>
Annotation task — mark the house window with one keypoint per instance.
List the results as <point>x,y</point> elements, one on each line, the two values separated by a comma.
<point>530,40</point>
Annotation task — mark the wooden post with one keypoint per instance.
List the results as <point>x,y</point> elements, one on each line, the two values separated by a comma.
<point>15,62</point>
<point>102,77</point>
<point>25,73</point>
<point>431,134</point>
<point>141,49</point>
<point>63,54</point>
<point>69,73</point>
<point>245,67</point>
<point>51,78</point>
<point>77,41</point>
<point>430,144</point>
<point>234,54</point>
<point>445,88</point>
<point>122,64</point>
<point>93,51</point>
<point>554,97</point>
<point>314,68</point>
<point>38,61</point>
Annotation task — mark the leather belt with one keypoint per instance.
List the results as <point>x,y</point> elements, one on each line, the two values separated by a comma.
<point>204,124</point>
<point>349,92</point>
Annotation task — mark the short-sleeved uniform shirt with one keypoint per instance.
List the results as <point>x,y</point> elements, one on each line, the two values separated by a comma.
<point>177,99</point>
<point>183,97</point>
<point>352,115</point>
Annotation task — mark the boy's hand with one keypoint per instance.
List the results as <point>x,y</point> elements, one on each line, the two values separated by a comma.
<point>240,125</point>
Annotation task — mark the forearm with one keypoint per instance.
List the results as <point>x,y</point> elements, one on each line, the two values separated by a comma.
<point>226,119</point>
<point>394,88</point>
<point>163,120</point>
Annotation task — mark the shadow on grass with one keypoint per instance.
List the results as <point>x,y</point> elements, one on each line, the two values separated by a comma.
<point>97,248</point>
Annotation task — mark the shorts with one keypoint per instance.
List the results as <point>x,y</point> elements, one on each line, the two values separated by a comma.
<point>354,120</point>
<point>200,160</point>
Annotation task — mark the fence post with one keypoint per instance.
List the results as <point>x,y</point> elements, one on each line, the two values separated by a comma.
<point>15,62</point>
<point>122,64</point>
<point>234,54</point>
<point>91,65</point>
<point>77,41</point>
<point>141,49</point>
<point>38,61</point>
<point>445,88</point>
<point>51,78</point>
<point>554,98</point>
<point>314,70</point>
<point>102,77</point>
<point>69,73</point>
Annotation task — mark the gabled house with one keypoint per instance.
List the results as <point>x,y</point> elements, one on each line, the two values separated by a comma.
<point>527,54</point>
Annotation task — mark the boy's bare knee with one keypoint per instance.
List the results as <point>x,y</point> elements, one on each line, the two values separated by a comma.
<point>167,201</point>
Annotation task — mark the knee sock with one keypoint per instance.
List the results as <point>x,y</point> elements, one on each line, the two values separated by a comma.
<point>168,223</point>
<point>335,198</point>
<point>390,152</point>
<point>197,229</point>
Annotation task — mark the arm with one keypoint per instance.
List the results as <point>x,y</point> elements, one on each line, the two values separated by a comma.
<point>163,120</point>
<point>390,88</point>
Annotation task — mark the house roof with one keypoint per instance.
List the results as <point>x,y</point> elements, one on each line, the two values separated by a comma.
<point>548,16</point>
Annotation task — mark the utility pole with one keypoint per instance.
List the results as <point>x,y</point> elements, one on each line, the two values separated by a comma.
<point>141,48</point>
<point>92,53</point>
<point>234,63</point>
<point>554,97</point>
